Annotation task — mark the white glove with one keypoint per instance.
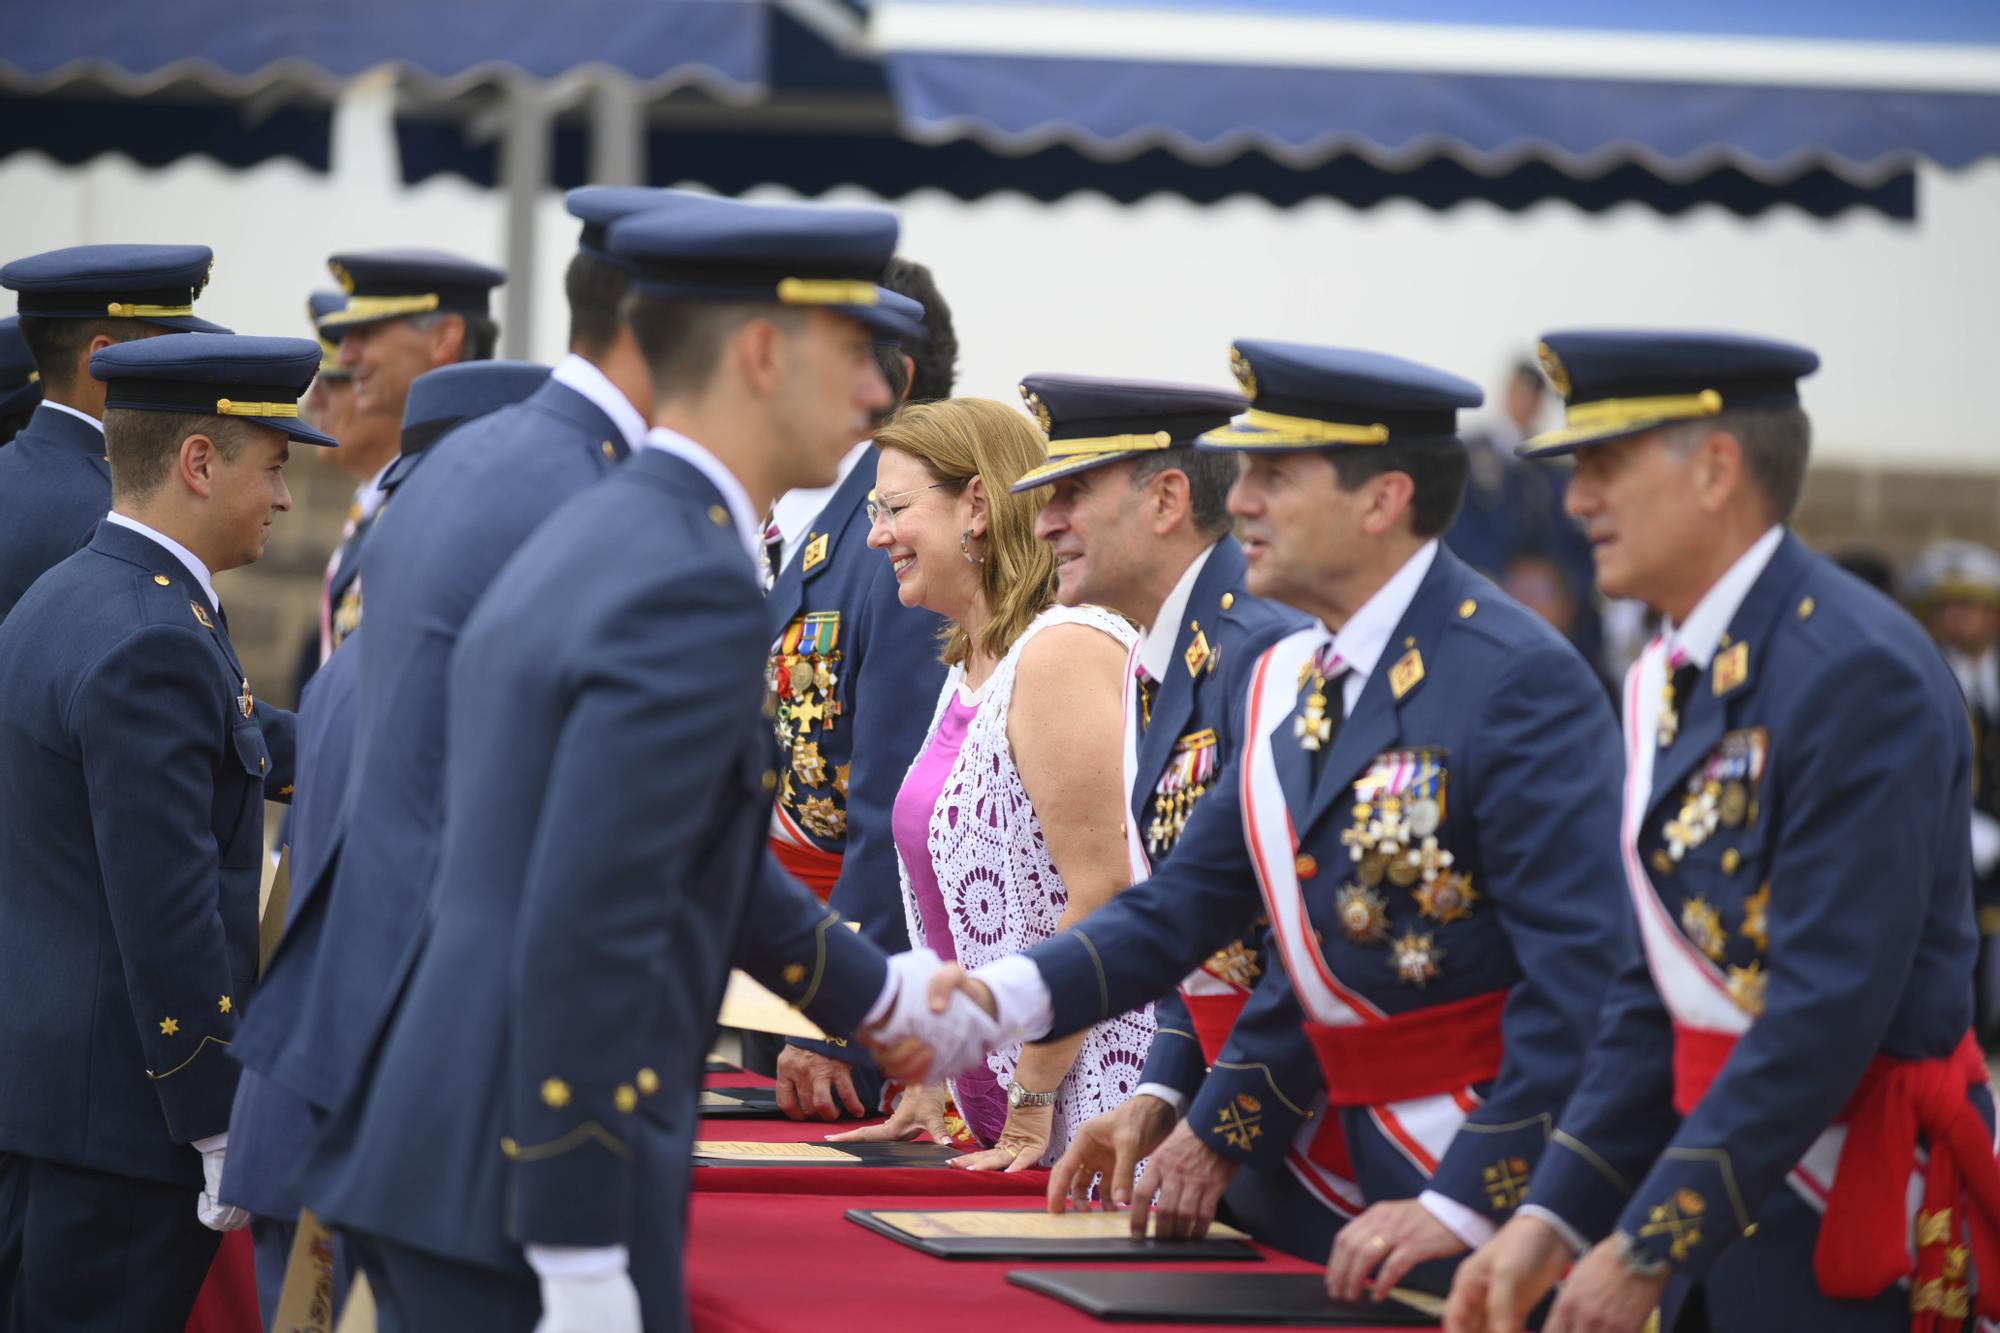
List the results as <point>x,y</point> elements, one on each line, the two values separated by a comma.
<point>1985,843</point>
<point>959,1038</point>
<point>585,1289</point>
<point>212,1212</point>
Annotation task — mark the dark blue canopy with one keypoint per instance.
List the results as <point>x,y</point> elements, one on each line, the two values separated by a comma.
<point>1770,87</point>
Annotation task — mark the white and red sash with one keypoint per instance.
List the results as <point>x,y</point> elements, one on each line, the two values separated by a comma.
<point>1421,1128</point>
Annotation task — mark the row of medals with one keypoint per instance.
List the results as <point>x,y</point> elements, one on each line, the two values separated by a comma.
<point>1170,816</point>
<point>796,712</point>
<point>1394,839</point>
<point>1708,805</point>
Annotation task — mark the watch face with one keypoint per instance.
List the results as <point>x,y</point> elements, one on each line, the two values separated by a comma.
<point>1014,1091</point>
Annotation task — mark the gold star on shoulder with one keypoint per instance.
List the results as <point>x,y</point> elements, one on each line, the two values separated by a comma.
<point>169,1026</point>
<point>1702,924</point>
<point>224,1003</point>
<point>555,1092</point>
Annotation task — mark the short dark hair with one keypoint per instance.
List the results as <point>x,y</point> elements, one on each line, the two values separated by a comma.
<point>142,446</point>
<point>55,344</point>
<point>1210,475</point>
<point>596,289</point>
<point>1437,473</point>
<point>1776,444</point>
<point>895,368</point>
<point>936,357</point>
<point>682,341</point>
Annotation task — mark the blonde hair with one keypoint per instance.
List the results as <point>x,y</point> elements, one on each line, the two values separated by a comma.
<point>957,440</point>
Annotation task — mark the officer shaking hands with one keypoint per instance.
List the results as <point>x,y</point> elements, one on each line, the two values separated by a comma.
<point>134,764</point>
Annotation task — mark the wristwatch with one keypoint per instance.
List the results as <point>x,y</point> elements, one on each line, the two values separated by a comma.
<point>1018,1096</point>
<point>1639,1260</point>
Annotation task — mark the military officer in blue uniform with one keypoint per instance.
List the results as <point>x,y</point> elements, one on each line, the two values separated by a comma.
<point>607,781</point>
<point>54,482</point>
<point>270,1125</point>
<point>134,764</point>
<point>20,382</point>
<point>1138,519</point>
<point>456,519</point>
<point>1792,1012</point>
<point>846,734</point>
<point>405,312</point>
<point>1420,805</point>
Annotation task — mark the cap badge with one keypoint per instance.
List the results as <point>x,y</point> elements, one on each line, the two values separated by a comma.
<point>1239,366</point>
<point>1038,408</point>
<point>1552,366</point>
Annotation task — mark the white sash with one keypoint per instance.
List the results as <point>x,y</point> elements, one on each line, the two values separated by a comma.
<point>1268,833</point>
<point>1691,986</point>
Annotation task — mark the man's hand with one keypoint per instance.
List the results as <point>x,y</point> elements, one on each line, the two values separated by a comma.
<point>1190,1177</point>
<point>1493,1291</point>
<point>580,1295</point>
<point>1384,1243</point>
<point>951,979</point>
<point>809,1084</point>
<point>931,1032</point>
<point>920,1110</point>
<point>1108,1148</point>
<point>209,1209</point>
<point>1604,1295</point>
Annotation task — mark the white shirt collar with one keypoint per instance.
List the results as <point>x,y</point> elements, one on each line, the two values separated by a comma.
<point>1365,637</point>
<point>181,553</point>
<point>740,509</point>
<point>80,416</point>
<point>576,372</point>
<point>1709,620</point>
<point>796,511</point>
<point>1156,649</point>
<point>368,496</point>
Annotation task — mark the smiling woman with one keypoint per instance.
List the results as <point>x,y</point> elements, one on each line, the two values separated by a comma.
<point>1007,826</point>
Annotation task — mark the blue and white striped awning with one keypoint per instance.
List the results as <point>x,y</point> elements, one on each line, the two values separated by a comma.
<point>1681,87</point>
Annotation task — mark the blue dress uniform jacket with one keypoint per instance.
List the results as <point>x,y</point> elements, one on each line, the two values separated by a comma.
<point>437,544</point>
<point>1226,630</point>
<point>1833,889</point>
<point>840,791</point>
<point>1527,745</point>
<point>54,486</point>
<point>538,1078</point>
<point>132,778</point>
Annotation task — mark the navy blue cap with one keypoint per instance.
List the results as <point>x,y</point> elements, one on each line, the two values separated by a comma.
<point>898,319</point>
<point>20,385</point>
<point>395,284</point>
<point>1092,422</point>
<point>212,374</point>
<point>1621,382</point>
<point>443,398</point>
<point>318,306</point>
<point>155,284</point>
<point>598,206</point>
<point>1307,397</point>
<point>727,250</point>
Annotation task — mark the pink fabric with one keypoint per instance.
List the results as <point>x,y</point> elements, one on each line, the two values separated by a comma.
<point>978,1093</point>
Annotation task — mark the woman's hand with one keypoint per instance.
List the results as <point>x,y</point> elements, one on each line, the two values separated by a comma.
<point>1023,1142</point>
<point>920,1110</point>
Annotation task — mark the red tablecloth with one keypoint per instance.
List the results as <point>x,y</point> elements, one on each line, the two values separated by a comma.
<point>844,1180</point>
<point>837,1275</point>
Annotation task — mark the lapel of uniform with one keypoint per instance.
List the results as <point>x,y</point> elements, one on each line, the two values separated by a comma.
<point>1705,716</point>
<point>135,548</point>
<point>1173,704</point>
<point>1375,724</point>
<point>831,529</point>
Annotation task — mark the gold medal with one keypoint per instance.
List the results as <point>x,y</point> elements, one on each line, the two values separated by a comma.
<point>1403,872</point>
<point>1371,868</point>
<point>1364,917</point>
<point>1702,924</point>
<point>1447,898</point>
<point>802,676</point>
<point>1735,804</point>
<point>1415,958</point>
<point>1313,727</point>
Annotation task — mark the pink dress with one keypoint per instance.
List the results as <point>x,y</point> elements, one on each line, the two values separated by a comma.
<point>978,1094</point>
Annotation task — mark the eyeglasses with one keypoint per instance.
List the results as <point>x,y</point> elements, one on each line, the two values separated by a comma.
<point>877,506</point>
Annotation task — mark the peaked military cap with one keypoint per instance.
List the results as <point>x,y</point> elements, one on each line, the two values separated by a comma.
<point>707,248</point>
<point>1308,397</point>
<point>394,284</point>
<point>318,306</point>
<point>155,284</point>
<point>1621,382</point>
<point>213,374</point>
<point>598,206</point>
<point>899,319</point>
<point>1091,422</point>
<point>20,385</point>
<point>1953,571</point>
<point>451,395</point>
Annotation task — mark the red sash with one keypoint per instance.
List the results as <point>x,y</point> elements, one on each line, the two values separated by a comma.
<point>1864,1237</point>
<point>1423,1053</point>
<point>1213,1017</point>
<point>815,869</point>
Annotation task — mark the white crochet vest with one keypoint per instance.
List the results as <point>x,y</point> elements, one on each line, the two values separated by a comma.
<point>1002,891</point>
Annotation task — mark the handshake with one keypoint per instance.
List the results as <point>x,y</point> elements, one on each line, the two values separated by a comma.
<point>940,1021</point>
